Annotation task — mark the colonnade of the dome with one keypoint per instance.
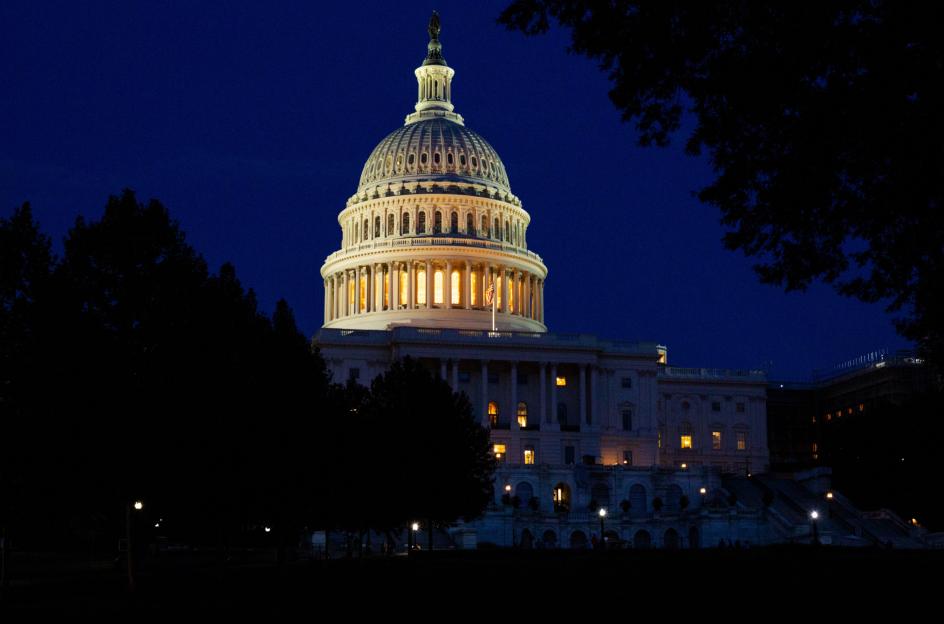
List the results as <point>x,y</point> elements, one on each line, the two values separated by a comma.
<point>376,288</point>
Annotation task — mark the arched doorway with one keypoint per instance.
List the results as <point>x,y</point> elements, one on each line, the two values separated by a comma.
<point>671,540</point>
<point>524,491</point>
<point>578,540</point>
<point>550,539</point>
<point>642,539</point>
<point>561,497</point>
<point>527,540</point>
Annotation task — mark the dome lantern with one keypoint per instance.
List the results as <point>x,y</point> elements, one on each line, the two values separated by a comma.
<point>434,78</point>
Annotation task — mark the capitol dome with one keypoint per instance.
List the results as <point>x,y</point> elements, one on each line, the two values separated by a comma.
<point>434,237</point>
<point>437,150</point>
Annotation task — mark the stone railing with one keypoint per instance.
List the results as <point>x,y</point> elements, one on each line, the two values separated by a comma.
<point>683,372</point>
<point>408,242</point>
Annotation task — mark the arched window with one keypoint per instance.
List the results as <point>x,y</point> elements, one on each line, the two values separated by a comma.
<point>671,540</point>
<point>475,162</point>
<point>421,287</point>
<point>637,501</point>
<point>462,159</point>
<point>411,159</point>
<point>437,223</point>
<point>484,231</point>
<point>522,414</point>
<point>391,226</point>
<point>438,288</point>
<point>376,227</point>
<point>454,223</point>
<point>421,223</point>
<point>642,540</point>
<point>578,540</point>
<point>529,455</point>
<point>405,223</point>
<point>436,159</point>
<point>449,159</point>
<point>600,494</point>
<point>469,224</point>
<point>497,231</point>
<point>550,539</point>
<point>454,287</point>
<point>685,436</point>
<point>561,497</point>
<point>424,158</point>
<point>507,232</point>
<point>493,414</point>
<point>366,229</point>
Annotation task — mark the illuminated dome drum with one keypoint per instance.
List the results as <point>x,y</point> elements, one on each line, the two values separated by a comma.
<point>434,230</point>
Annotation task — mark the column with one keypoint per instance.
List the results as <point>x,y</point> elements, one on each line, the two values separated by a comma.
<point>483,283</point>
<point>429,285</point>
<point>447,285</point>
<point>485,393</point>
<point>542,404</point>
<point>541,298</point>
<point>344,299</point>
<point>583,394</point>
<point>514,396</point>
<point>357,290</point>
<point>526,308</point>
<point>552,415</point>
<point>455,375</point>
<point>467,290</point>
<point>327,285</point>
<point>442,369</point>
<point>394,285</point>
<point>519,289</point>
<point>502,275</point>
<point>410,290</point>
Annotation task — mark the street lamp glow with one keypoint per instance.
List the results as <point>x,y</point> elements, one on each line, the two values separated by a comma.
<point>415,526</point>
<point>508,488</point>
<point>268,529</point>
<point>138,505</point>
<point>684,466</point>
<point>829,495</point>
<point>814,515</point>
<point>602,512</point>
<point>702,491</point>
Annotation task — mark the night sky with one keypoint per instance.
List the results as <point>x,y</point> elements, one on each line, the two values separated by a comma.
<point>251,122</point>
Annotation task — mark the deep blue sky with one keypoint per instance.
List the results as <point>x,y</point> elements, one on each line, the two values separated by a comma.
<point>251,121</point>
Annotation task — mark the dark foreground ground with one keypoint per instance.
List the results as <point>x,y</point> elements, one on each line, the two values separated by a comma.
<point>801,581</point>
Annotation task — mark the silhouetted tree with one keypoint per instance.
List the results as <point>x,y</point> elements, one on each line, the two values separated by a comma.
<point>426,456</point>
<point>822,121</point>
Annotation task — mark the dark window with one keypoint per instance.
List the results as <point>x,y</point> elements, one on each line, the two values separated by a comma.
<point>391,226</point>
<point>484,226</point>
<point>475,162</point>
<point>421,223</point>
<point>376,227</point>
<point>464,377</point>
<point>627,458</point>
<point>739,408</point>
<point>627,382</point>
<point>627,419</point>
<point>449,158</point>
<point>436,158</point>
<point>716,406</point>
<point>497,231</point>
<point>411,159</point>
<point>437,223</point>
<point>493,378</point>
<point>405,224</point>
<point>568,455</point>
<point>424,157</point>
<point>522,379</point>
<point>454,223</point>
<point>469,224</point>
<point>562,413</point>
<point>462,159</point>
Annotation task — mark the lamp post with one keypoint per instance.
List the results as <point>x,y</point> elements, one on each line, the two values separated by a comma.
<point>413,529</point>
<point>602,514</point>
<point>137,506</point>
<point>814,516</point>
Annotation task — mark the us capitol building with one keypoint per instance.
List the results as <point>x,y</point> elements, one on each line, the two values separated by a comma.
<point>579,423</point>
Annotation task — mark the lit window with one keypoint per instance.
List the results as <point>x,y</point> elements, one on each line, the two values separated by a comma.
<point>659,440</point>
<point>403,286</point>
<point>438,287</point>
<point>686,442</point>
<point>849,411</point>
<point>475,288</point>
<point>716,440</point>
<point>421,287</point>
<point>561,381</point>
<point>522,414</point>
<point>350,295</point>
<point>861,407</point>
<point>454,295</point>
<point>499,450</point>
<point>741,441</point>
<point>529,455</point>
<point>493,413</point>
<point>362,301</point>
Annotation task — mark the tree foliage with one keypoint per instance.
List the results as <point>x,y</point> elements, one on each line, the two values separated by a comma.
<point>821,120</point>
